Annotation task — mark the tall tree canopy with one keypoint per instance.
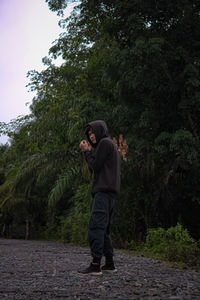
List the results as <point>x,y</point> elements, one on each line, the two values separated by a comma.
<point>136,65</point>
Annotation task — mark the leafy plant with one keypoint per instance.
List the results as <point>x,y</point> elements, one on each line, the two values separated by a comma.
<point>173,244</point>
<point>74,226</point>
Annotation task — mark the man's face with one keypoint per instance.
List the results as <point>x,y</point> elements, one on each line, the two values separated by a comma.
<point>92,136</point>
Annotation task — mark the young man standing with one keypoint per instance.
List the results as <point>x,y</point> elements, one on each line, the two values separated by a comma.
<point>105,168</point>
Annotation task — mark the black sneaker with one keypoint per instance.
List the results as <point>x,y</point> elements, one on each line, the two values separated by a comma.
<point>93,269</point>
<point>109,267</point>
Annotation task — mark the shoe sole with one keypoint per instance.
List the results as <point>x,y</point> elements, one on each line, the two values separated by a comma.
<point>92,273</point>
<point>110,271</point>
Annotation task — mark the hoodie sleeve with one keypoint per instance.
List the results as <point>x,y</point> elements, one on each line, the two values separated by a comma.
<point>96,162</point>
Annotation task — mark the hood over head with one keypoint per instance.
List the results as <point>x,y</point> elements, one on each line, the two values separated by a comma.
<point>100,130</point>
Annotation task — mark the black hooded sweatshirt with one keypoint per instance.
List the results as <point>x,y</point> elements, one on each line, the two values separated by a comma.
<point>105,165</point>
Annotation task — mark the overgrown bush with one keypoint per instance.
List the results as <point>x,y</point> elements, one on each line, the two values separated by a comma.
<point>174,244</point>
<point>74,226</point>
<point>50,232</point>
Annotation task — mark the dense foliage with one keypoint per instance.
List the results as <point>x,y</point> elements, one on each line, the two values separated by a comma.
<point>174,244</point>
<point>135,64</point>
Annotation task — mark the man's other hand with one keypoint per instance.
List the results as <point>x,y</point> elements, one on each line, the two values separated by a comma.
<point>85,145</point>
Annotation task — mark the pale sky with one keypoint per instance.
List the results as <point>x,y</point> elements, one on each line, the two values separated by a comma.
<point>28,29</point>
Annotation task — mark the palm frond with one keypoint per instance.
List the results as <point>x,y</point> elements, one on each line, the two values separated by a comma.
<point>27,171</point>
<point>6,188</point>
<point>64,181</point>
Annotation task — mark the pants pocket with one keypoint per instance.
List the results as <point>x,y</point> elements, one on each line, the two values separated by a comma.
<point>98,219</point>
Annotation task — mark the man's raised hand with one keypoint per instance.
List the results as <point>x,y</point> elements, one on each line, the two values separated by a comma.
<point>84,145</point>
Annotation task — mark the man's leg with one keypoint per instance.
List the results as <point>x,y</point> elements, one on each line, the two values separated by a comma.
<point>98,224</point>
<point>108,249</point>
<point>99,221</point>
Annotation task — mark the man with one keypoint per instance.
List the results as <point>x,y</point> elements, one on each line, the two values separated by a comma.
<point>105,168</point>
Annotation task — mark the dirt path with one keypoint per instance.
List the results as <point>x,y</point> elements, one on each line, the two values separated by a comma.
<point>43,270</point>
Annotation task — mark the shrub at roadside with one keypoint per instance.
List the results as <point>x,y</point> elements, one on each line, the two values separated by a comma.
<point>74,226</point>
<point>174,244</point>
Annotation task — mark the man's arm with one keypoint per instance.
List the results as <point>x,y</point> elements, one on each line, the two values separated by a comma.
<point>96,162</point>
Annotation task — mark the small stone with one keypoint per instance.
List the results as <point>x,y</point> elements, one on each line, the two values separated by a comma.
<point>107,285</point>
<point>101,287</point>
<point>91,281</point>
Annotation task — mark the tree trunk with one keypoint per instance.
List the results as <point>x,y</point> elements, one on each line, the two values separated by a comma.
<point>27,229</point>
<point>3,230</point>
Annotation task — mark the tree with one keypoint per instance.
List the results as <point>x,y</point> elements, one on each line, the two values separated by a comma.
<point>134,64</point>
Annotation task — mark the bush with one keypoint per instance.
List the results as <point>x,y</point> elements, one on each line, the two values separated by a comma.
<point>74,226</point>
<point>174,244</point>
<point>50,232</point>
<point>74,229</point>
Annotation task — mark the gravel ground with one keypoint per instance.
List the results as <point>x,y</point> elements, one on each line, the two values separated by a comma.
<point>31,270</point>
